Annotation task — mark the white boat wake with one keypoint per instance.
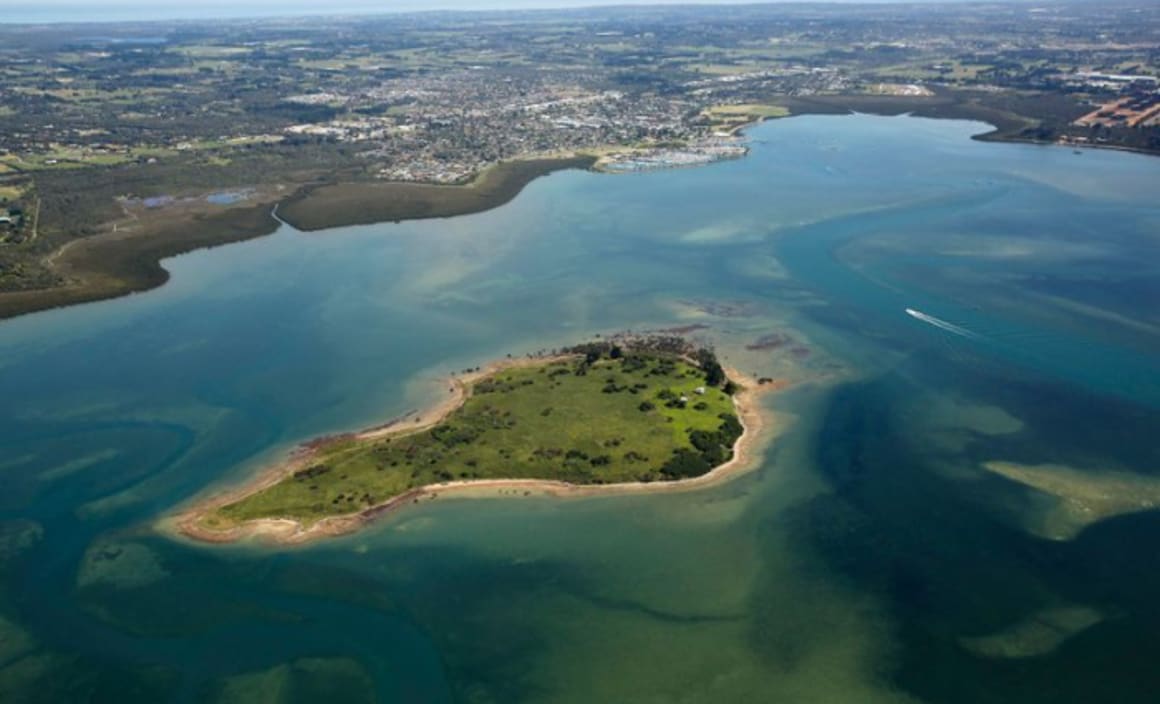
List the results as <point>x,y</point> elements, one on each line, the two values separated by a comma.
<point>941,324</point>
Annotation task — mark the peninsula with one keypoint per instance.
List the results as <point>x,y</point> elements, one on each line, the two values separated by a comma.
<point>624,415</point>
<point>124,255</point>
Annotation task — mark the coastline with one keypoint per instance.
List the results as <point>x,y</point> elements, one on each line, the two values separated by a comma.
<point>329,205</point>
<point>941,106</point>
<point>118,262</point>
<point>1006,126</point>
<point>186,523</point>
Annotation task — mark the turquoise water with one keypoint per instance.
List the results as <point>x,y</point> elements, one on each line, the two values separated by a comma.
<point>868,557</point>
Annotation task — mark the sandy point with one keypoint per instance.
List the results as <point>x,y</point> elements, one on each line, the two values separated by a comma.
<point>758,429</point>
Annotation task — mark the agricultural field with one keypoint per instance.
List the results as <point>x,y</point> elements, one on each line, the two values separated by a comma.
<point>11,194</point>
<point>731,117</point>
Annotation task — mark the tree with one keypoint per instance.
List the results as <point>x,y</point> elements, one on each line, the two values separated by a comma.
<point>685,463</point>
<point>714,372</point>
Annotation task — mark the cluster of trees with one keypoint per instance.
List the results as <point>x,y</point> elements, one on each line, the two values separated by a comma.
<point>497,385</point>
<point>311,472</point>
<point>710,449</point>
<point>650,344</point>
<point>365,498</point>
<point>669,347</point>
<point>451,435</point>
<point>671,399</point>
<point>714,372</point>
<point>579,456</point>
<point>611,387</point>
<point>685,463</point>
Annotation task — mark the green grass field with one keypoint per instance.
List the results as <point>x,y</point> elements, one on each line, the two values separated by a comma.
<point>635,418</point>
<point>732,116</point>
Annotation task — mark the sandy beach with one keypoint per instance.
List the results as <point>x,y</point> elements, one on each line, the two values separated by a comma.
<point>189,523</point>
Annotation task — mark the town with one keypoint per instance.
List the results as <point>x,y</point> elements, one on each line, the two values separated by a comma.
<point>94,117</point>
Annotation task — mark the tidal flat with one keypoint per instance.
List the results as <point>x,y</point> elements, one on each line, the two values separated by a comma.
<point>868,556</point>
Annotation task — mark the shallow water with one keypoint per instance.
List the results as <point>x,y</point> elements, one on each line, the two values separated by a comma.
<point>865,559</point>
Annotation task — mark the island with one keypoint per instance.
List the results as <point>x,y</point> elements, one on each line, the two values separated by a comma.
<point>623,414</point>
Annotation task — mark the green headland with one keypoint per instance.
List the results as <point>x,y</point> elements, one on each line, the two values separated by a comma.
<point>123,244</point>
<point>647,411</point>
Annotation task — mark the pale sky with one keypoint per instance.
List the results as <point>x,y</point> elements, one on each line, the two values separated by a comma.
<point>384,5</point>
<point>122,10</point>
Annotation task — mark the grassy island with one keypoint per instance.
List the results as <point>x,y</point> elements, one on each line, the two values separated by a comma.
<point>600,414</point>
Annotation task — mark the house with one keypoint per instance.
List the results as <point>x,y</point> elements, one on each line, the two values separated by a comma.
<point>11,218</point>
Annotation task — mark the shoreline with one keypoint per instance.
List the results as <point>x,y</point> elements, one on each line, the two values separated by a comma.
<point>284,531</point>
<point>329,205</point>
<point>115,263</point>
<point>945,104</point>
<point>119,262</point>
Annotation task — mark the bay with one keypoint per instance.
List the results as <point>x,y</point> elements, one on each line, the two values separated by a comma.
<point>870,556</point>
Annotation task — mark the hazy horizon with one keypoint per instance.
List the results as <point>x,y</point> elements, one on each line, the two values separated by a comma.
<point>70,11</point>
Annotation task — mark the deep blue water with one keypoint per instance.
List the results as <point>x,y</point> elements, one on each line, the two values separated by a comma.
<point>861,561</point>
